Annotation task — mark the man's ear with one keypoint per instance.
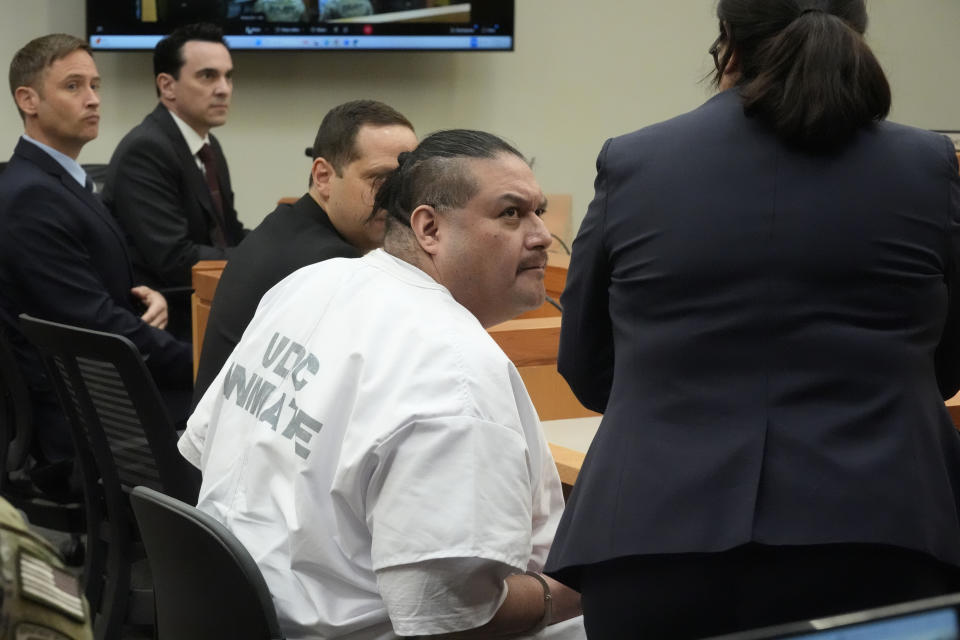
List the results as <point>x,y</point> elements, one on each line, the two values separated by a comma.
<point>165,83</point>
<point>322,172</point>
<point>425,222</point>
<point>27,99</point>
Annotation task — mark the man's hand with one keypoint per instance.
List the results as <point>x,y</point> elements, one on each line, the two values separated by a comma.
<point>156,304</point>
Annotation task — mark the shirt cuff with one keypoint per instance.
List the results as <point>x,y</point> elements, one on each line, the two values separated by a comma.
<point>443,595</point>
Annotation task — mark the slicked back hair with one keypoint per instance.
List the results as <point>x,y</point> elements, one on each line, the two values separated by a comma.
<point>337,136</point>
<point>805,67</point>
<point>29,62</point>
<point>168,54</point>
<point>436,173</point>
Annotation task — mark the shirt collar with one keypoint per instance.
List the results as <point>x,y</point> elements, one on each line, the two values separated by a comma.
<point>70,165</point>
<point>402,269</point>
<point>193,139</point>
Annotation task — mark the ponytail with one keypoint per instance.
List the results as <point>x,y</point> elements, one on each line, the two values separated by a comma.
<point>814,80</point>
<point>435,174</point>
<point>390,194</point>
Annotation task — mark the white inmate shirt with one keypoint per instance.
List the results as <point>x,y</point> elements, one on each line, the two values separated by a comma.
<point>367,428</point>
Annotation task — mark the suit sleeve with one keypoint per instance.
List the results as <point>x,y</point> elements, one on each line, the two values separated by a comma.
<point>48,253</point>
<point>148,201</point>
<point>586,356</point>
<point>948,351</point>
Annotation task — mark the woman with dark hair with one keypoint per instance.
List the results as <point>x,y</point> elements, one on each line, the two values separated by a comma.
<point>763,302</point>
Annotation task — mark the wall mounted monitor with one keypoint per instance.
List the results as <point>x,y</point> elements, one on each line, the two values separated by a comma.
<point>310,25</point>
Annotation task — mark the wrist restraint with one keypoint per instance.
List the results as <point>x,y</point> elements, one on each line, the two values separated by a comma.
<point>547,602</point>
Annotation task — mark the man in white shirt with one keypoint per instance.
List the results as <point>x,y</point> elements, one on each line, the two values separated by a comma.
<point>367,440</point>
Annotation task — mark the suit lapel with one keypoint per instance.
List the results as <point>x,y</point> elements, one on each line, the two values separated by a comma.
<point>33,154</point>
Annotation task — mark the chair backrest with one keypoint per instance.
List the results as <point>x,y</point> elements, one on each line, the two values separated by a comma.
<point>110,397</point>
<point>206,584</point>
<point>61,513</point>
<point>124,438</point>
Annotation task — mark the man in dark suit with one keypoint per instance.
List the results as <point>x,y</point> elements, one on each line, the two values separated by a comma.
<point>356,146</point>
<point>62,255</point>
<point>168,182</point>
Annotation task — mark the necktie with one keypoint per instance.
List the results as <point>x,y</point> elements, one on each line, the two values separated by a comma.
<point>209,161</point>
<point>88,185</point>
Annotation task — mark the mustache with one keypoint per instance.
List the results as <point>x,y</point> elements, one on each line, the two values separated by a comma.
<point>536,261</point>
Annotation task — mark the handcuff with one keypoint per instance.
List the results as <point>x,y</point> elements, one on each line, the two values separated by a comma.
<point>547,602</point>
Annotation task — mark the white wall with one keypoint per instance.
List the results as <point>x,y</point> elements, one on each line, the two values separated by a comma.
<point>582,71</point>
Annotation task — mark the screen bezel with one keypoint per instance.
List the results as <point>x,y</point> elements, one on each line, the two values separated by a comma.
<point>111,26</point>
<point>848,620</point>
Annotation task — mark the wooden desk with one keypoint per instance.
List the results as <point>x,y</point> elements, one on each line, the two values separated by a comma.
<point>532,344</point>
<point>530,341</point>
<point>569,440</point>
<point>953,408</point>
<point>206,277</point>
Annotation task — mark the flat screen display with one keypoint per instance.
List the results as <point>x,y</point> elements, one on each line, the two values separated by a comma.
<point>927,625</point>
<point>930,619</point>
<point>314,25</point>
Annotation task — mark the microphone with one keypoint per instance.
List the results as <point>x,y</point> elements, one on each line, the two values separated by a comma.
<point>562,243</point>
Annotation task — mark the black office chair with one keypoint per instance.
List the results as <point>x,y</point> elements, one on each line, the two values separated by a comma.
<point>205,582</point>
<point>124,438</point>
<point>59,512</point>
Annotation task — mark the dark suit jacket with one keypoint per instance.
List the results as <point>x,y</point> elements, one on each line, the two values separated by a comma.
<point>159,195</point>
<point>63,258</point>
<point>291,237</point>
<point>770,336</point>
